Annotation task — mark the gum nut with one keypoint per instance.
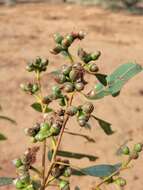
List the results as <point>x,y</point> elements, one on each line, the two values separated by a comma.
<point>58,38</point>
<point>70,38</point>
<point>63,184</point>
<point>25,178</point>
<point>96,55</point>
<point>35,88</point>
<point>82,122</point>
<point>134,155</point>
<point>74,74</point>
<point>72,110</point>
<point>66,43</point>
<point>30,68</point>
<point>66,69</point>
<point>17,162</point>
<point>56,90</point>
<point>79,86</point>
<point>138,147</point>
<point>88,107</point>
<point>69,87</point>
<point>93,67</point>
<point>84,117</point>
<point>60,78</point>
<point>126,150</point>
<point>87,58</point>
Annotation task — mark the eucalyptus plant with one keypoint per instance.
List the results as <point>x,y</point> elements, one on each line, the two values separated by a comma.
<point>70,80</point>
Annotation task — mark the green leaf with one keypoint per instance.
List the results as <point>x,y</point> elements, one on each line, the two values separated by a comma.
<point>76,155</point>
<point>115,81</point>
<point>121,75</point>
<point>98,170</point>
<point>68,154</point>
<point>106,126</point>
<point>5,181</point>
<point>8,119</point>
<point>89,139</point>
<point>37,106</point>
<point>2,137</point>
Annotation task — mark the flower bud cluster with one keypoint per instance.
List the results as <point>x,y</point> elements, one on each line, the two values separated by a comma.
<point>23,165</point>
<point>63,43</point>
<point>38,65</point>
<point>71,77</point>
<point>30,88</point>
<point>42,131</point>
<point>82,112</point>
<point>87,57</point>
<point>134,154</point>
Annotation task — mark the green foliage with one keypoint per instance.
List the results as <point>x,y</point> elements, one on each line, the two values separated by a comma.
<point>70,81</point>
<point>5,181</point>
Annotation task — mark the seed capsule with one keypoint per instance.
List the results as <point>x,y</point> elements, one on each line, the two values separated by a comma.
<point>138,147</point>
<point>69,87</point>
<point>57,50</point>
<point>72,110</point>
<point>58,38</point>
<point>96,55</point>
<point>60,78</point>
<point>17,163</point>
<point>66,69</point>
<point>56,91</point>
<point>88,107</point>
<point>134,155</point>
<point>55,129</point>
<point>93,67</point>
<point>121,182</point>
<point>79,86</point>
<point>126,150</point>
<point>74,74</point>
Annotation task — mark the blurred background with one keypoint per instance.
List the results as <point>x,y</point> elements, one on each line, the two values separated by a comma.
<point>115,27</point>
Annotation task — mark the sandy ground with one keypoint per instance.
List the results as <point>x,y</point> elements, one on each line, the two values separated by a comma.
<point>25,33</point>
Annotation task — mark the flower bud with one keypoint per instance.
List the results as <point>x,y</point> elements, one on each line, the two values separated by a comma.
<point>30,187</point>
<point>35,88</point>
<point>19,184</point>
<point>121,182</point>
<point>93,67</point>
<point>79,86</point>
<point>69,87</point>
<point>62,101</point>
<point>22,170</point>
<point>72,110</point>
<point>56,91</point>
<point>17,162</point>
<point>30,67</point>
<point>138,147</point>
<point>126,150</point>
<point>58,38</point>
<point>66,43</point>
<point>66,69</point>
<point>44,126</point>
<point>60,78</point>
<point>88,107</point>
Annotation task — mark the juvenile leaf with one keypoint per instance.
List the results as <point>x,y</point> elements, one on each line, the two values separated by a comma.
<point>98,170</point>
<point>8,119</point>
<point>2,137</point>
<point>5,181</point>
<point>121,75</point>
<point>75,155</point>
<point>106,126</point>
<point>37,106</point>
<point>115,81</point>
